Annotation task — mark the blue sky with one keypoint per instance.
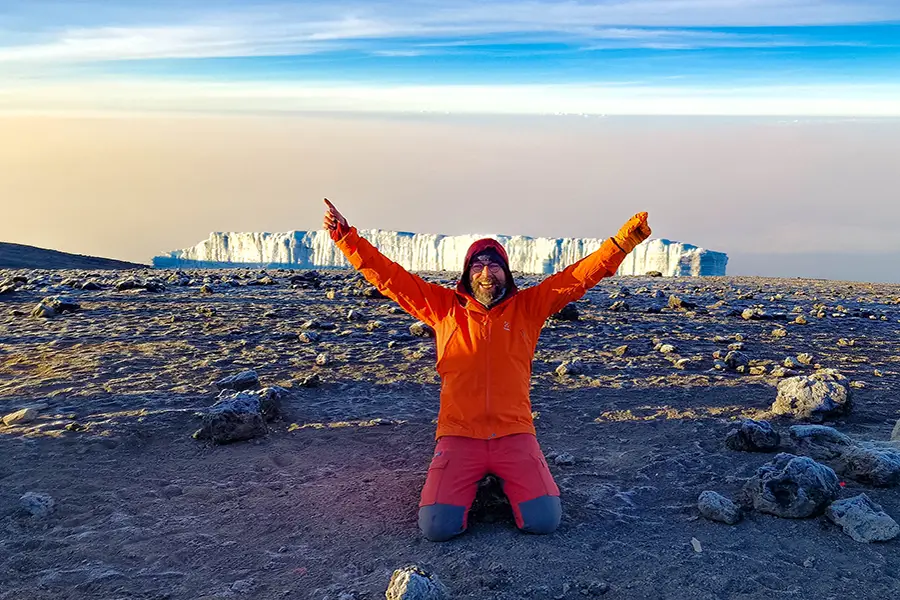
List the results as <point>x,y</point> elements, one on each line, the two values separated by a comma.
<point>816,57</point>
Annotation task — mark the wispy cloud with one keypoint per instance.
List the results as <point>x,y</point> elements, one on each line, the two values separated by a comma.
<point>227,29</point>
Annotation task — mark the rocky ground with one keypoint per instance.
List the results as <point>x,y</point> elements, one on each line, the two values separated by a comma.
<point>324,505</point>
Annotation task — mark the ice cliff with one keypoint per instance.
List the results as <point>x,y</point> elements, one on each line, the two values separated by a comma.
<point>431,252</point>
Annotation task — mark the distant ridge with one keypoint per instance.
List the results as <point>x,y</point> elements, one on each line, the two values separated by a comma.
<point>20,256</point>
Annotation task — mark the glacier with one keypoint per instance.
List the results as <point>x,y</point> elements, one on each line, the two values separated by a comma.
<point>433,252</point>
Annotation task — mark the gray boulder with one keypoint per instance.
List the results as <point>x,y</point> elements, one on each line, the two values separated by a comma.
<point>823,395</point>
<point>876,466</point>
<point>242,381</point>
<point>879,467</point>
<point>895,434</point>
<point>415,583</point>
<point>717,507</point>
<point>753,436</point>
<point>818,441</point>
<point>239,416</point>
<point>569,312</point>
<point>863,520</point>
<point>20,417</point>
<point>792,487</point>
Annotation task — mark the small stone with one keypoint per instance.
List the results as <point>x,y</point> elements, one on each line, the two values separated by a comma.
<point>779,333</point>
<point>311,381</point>
<point>800,320</point>
<point>716,507</point>
<point>20,417</point>
<point>43,310</point>
<point>805,358</point>
<point>668,348</point>
<point>695,543</point>
<point>309,337</point>
<point>564,459</point>
<point>680,303</point>
<point>243,586</point>
<point>323,359</point>
<point>809,563</point>
<point>421,329</point>
<point>596,588</point>
<point>170,491</point>
<point>620,350</point>
<point>736,359</point>
<point>619,306</point>
<point>572,367</point>
<point>877,373</point>
<point>38,505</point>
<point>782,372</point>
<point>415,583</point>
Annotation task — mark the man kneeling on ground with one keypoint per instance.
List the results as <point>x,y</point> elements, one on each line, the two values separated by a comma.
<point>486,332</point>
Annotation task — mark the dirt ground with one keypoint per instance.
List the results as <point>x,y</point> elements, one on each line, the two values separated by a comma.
<point>324,506</point>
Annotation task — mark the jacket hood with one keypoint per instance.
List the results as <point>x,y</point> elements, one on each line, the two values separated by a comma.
<point>480,246</point>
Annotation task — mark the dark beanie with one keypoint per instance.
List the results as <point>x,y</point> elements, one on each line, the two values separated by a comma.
<point>492,254</point>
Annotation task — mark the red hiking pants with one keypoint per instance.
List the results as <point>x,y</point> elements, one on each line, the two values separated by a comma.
<point>459,463</point>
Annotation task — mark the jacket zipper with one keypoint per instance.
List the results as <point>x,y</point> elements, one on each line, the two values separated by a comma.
<point>487,390</point>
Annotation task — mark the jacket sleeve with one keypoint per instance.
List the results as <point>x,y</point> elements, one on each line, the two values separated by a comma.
<point>551,295</point>
<point>425,301</point>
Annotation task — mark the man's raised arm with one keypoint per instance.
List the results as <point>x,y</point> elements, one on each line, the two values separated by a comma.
<point>425,301</point>
<point>570,284</point>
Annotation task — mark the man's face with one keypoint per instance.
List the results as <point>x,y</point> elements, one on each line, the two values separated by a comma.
<point>486,278</point>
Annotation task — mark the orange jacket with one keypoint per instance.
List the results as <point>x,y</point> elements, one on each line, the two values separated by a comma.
<point>483,355</point>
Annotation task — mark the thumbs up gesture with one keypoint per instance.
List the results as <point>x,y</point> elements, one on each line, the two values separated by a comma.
<point>635,231</point>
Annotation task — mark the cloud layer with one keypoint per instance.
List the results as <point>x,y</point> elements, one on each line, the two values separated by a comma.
<point>48,32</point>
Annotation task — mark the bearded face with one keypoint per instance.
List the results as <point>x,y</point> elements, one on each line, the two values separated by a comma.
<point>487,278</point>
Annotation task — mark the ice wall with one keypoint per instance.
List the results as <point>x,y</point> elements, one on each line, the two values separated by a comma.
<point>431,252</point>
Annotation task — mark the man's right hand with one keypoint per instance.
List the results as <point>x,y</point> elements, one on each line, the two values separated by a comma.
<point>635,231</point>
<point>333,219</point>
